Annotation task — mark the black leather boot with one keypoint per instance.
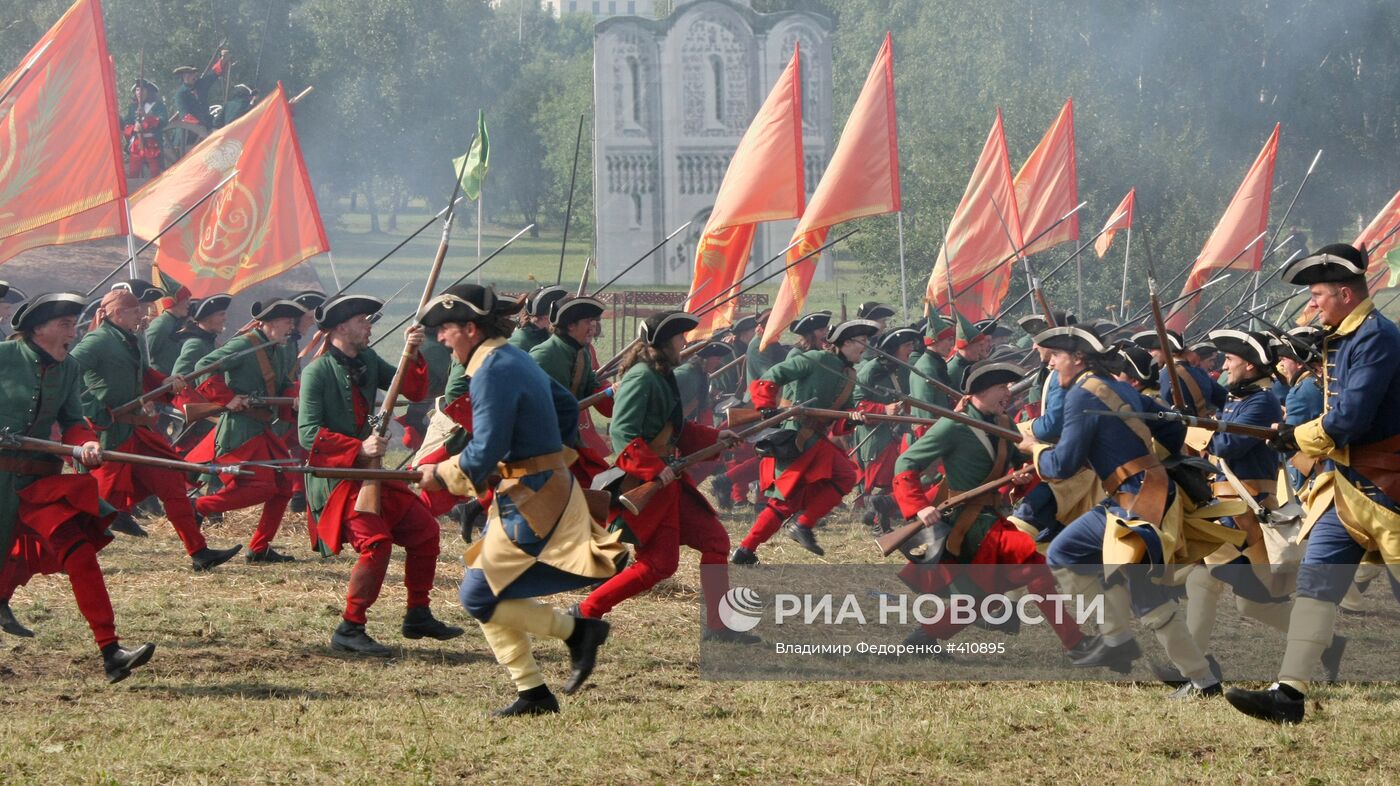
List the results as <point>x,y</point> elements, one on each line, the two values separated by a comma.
<point>419,623</point>
<point>119,662</point>
<point>535,701</point>
<point>208,559</point>
<point>351,637</point>
<point>10,625</point>
<point>583,643</point>
<point>126,525</point>
<point>805,539</point>
<point>1278,704</point>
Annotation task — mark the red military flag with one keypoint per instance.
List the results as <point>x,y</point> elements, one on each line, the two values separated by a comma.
<point>263,222</point>
<point>861,180</point>
<point>1121,218</point>
<point>1245,219</point>
<point>764,182</point>
<point>1379,238</point>
<point>61,177</point>
<point>977,242</point>
<point>1047,187</point>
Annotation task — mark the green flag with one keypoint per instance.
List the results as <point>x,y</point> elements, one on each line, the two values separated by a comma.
<point>473,165</point>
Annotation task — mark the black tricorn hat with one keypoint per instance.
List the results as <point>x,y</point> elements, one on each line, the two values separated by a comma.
<point>335,312</point>
<point>891,339</point>
<point>570,309</point>
<point>12,294</point>
<point>309,299</point>
<point>1138,363</point>
<point>1301,344</point>
<point>744,323</point>
<point>1204,349</point>
<point>185,69</point>
<point>873,309</point>
<point>467,303</point>
<point>43,308</point>
<point>1073,338</point>
<point>1036,323</point>
<point>809,322</point>
<point>990,327</point>
<point>853,329</point>
<point>714,349</point>
<point>986,373</point>
<point>277,309</point>
<point>146,83</point>
<point>1330,264</point>
<point>1147,339</point>
<point>1253,347</point>
<point>210,306</point>
<point>659,328</point>
<point>540,301</point>
<point>145,291</point>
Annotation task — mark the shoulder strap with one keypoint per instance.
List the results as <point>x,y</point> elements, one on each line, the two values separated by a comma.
<point>580,368</point>
<point>1110,398</point>
<point>844,394</point>
<point>264,364</point>
<point>1193,389</point>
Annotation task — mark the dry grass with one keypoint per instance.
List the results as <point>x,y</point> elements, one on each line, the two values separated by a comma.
<point>245,689</point>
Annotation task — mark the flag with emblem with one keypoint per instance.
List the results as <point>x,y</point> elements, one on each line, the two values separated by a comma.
<point>764,182</point>
<point>861,180</point>
<point>261,223</point>
<point>61,178</point>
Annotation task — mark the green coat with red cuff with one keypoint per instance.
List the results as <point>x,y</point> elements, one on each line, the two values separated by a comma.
<point>568,363</point>
<point>332,422</point>
<point>115,371</point>
<point>969,458</point>
<point>875,373</point>
<point>271,371</point>
<point>817,378</point>
<point>35,394</point>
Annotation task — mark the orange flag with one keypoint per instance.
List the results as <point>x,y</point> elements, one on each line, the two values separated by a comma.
<point>1121,218</point>
<point>1246,217</point>
<point>264,221</point>
<point>861,180</point>
<point>61,178</point>
<point>977,241</point>
<point>1047,187</point>
<point>764,182</point>
<point>1373,238</point>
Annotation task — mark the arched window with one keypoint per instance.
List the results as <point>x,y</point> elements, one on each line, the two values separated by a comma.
<point>634,70</point>
<point>717,93</point>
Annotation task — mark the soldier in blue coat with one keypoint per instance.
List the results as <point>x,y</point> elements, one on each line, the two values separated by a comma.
<point>1204,396</point>
<point>540,538</point>
<point>1140,498</point>
<point>1353,502</point>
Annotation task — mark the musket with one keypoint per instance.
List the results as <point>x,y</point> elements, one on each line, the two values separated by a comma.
<point>1209,424</point>
<point>157,392</point>
<point>706,306</point>
<point>368,500</point>
<point>1218,272</point>
<point>1030,272</point>
<point>638,498</point>
<point>583,279</point>
<point>342,473</point>
<point>1168,359</point>
<point>892,540</point>
<point>1252,291</point>
<point>459,280</point>
<point>1059,267</point>
<point>1014,254</point>
<point>731,364</point>
<point>640,259</point>
<point>947,389</point>
<point>202,410</point>
<point>131,259</point>
<point>569,211</point>
<point>12,441</point>
<point>393,250</point>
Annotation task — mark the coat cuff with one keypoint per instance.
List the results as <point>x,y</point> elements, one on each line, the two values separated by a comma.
<point>605,404</point>
<point>639,460</point>
<point>696,436</point>
<point>415,382</point>
<point>1313,440</point>
<point>909,493</point>
<point>764,393</point>
<point>453,478</point>
<point>332,449</point>
<point>1035,458</point>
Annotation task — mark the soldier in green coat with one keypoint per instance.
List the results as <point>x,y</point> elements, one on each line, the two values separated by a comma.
<point>878,446</point>
<point>534,319</point>
<point>758,359</point>
<point>939,337</point>
<point>974,532</point>
<point>161,341</point>
<point>52,521</point>
<point>115,372</point>
<point>809,475</point>
<point>567,357</point>
<point>333,423</point>
<point>245,431</point>
<point>693,378</point>
<point>208,318</point>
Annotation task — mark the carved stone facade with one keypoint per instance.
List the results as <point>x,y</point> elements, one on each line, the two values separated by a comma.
<point>672,98</point>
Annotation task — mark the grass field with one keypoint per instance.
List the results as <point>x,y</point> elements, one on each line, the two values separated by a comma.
<point>245,688</point>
